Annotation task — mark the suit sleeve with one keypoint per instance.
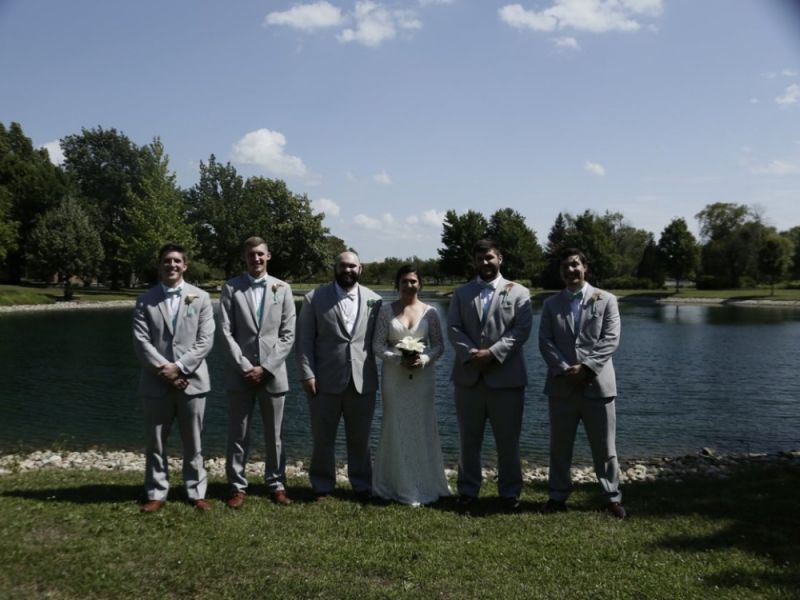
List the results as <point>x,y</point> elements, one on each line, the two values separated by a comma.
<point>461,342</point>
<point>227,323</point>
<point>516,337</point>
<point>306,338</point>
<point>608,341</point>
<point>283,346</point>
<point>204,339</point>
<point>547,344</point>
<point>145,350</point>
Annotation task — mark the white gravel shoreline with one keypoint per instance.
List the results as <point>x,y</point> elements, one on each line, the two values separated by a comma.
<point>706,463</point>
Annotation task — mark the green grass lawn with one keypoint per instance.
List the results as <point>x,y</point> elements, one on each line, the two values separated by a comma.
<point>69,534</point>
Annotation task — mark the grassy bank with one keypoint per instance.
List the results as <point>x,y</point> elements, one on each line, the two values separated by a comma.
<point>15,295</point>
<point>68,534</point>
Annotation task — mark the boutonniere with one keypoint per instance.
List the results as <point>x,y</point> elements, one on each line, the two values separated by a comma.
<point>188,300</point>
<point>275,288</point>
<point>504,293</point>
<point>371,302</point>
<point>594,300</point>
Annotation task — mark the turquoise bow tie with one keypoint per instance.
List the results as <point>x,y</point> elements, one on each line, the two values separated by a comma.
<point>485,285</point>
<point>173,292</point>
<point>258,283</point>
<point>577,295</point>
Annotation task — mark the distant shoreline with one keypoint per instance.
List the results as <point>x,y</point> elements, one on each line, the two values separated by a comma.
<point>756,302</point>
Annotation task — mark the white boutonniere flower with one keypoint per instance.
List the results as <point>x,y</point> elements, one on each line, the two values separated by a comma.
<point>596,297</point>
<point>275,288</point>
<point>188,301</point>
<point>371,302</point>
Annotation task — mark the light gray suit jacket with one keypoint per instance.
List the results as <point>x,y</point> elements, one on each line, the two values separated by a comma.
<point>327,352</point>
<point>590,342</point>
<point>507,327</point>
<point>155,342</point>
<point>246,343</point>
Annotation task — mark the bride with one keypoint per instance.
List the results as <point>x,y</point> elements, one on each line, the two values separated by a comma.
<point>408,463</point>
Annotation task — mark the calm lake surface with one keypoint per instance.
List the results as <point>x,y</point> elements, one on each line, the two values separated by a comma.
<point>688,377</point>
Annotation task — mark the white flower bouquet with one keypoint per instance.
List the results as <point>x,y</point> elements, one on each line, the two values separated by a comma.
<point>410,346</point>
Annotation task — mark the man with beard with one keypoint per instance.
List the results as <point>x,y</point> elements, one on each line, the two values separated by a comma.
<point>578,333</point>
<point>489,321</point>
<point>337,369</point>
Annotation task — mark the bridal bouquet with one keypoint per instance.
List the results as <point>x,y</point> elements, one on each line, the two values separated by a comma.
<point>410,346</point>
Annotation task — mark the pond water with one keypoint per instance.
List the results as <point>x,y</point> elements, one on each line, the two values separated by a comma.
<point>688,377</point>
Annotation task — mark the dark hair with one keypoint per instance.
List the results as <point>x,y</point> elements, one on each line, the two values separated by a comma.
<point>567,252</point>
<point>485,245</point>
<point>171,247</point>
<point>252,242</point>
<point>405,270</point>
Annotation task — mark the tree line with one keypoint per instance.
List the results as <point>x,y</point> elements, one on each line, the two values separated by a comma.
<point>107,209</point>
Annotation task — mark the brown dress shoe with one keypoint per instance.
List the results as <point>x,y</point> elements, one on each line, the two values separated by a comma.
<point>236,500</point>
<point>201,505</point>
<point>320,497</point>
<point>615,509</point>
<point>152,506</point>
<point>280,497</point>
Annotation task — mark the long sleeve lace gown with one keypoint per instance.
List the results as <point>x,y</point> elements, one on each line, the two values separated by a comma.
<point>408,462</point>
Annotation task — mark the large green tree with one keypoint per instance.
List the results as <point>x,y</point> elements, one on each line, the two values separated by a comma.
<point>793,235</point>
<point>64,241</point>
<point>774,258</point>
<point>107,167</point>
<point>522,255</point>
<point>155,214</point>
<point>29,186</point>
<point>459,235</point>
<point>679,251</point>
<point>556,242</point>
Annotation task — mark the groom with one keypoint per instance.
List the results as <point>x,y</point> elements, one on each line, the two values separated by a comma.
<point>337,368</point>
<point>578,333</point>
<point>256,318</point>
<point>173,331</point>
<point>489,320</point>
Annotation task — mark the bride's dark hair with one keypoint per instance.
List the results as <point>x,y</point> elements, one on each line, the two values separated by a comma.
<point>405,270</point>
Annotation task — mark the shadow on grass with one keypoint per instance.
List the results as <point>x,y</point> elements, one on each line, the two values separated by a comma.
<point>761,509</point>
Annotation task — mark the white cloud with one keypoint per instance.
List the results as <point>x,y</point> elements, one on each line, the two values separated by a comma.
<point>307,17</point>
<point>54,151</point>
<point>597,16</point>
<point>412,220</point>
<point>350,177</point>
<point>789,73</point>
<point>594,168</point>
<point>265,148</point>
<point>754,100</point>
<point>569,43</point>
<point>790,96</point>
<point>433,217</point>
<point>327,206</point>
<point>375,24</point>
<point>382,178</point>
<point>782,73</point>
<point>786,166</point>
<point>429,2</point>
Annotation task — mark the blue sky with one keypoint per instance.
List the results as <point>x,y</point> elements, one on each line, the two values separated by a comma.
<point>389,113</point>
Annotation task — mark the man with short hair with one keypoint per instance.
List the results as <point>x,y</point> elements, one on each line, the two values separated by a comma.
<point>337,368</point>
<point>256,330</point>
<point>173,332</point>
<point>578,333</point>
<point>489,321</point>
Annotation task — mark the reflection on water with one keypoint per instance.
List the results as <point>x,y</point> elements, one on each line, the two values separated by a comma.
<point>689,376</point>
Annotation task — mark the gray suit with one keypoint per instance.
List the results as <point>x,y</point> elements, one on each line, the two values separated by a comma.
<point>343,366</point>
<point>247,343</point>
<point>591,342</point>
<point>156,342</point>
<point>497,394</point>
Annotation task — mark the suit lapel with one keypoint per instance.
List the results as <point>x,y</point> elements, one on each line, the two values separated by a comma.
<point>495,301</point>
<point>476,290</point>
<point>585,302</point>
<point>566,308</point>
<point>337,309</point>
<point>164,309</point>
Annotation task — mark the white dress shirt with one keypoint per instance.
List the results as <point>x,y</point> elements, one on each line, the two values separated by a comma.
<point>348,304</point>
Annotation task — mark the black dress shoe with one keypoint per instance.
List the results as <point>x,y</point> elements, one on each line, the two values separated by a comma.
<point>363,496</point>
<point>510,503</point>
<point>615,509</point>
<point>554,506</point>
<point>465,501</point>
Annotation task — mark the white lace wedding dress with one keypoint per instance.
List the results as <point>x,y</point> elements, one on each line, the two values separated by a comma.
<point>408,463</point>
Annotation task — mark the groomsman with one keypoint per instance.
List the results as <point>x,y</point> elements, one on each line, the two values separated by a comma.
<point>489,320</point>
<point>337,368</point>
<point>578,333</point>
<point>173,331</point>
<point>256,318</point>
